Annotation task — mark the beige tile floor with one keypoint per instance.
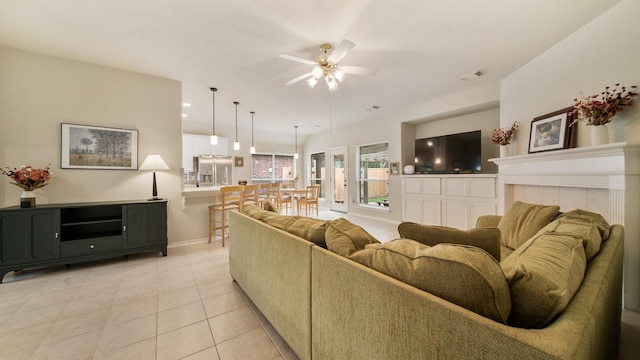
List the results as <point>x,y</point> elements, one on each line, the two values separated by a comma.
<point>183,306</point>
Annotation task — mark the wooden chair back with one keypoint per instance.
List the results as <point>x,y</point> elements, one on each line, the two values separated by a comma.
<point>250,194</point>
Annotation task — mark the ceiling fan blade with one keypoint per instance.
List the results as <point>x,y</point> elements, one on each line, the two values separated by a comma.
<point>301,77</point>
<point>358,70</point>
<point>297,59</point>
<point>339,52</point>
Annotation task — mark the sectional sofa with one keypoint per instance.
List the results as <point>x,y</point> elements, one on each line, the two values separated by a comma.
<point>332,304</point>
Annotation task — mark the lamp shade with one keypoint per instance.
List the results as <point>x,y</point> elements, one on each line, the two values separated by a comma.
<point>154,162</point>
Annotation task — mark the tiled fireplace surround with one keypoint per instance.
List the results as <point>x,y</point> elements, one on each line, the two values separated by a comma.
<point>603,179</point>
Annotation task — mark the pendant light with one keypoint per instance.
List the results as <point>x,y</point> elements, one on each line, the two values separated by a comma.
<point>252,150</point>
<point>236,144</point>
<point>214,137</point>
<point>295,154</point>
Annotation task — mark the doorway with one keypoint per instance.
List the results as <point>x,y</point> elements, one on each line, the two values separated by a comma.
<point>339,179</point>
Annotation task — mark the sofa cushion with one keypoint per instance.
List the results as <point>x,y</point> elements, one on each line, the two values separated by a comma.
<point>344,237</point>
<point>543,274</point>
<point>304,227</point>
<point>488,239</point>
<point>589,227</point>
<point>464,275</point>
<point>269,206</point>
<point>521,221</point>
<point>252,210</point>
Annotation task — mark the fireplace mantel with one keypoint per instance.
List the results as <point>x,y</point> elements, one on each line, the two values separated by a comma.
<point>614,168</point>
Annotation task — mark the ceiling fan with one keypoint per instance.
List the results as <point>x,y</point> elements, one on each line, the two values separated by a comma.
<point>326,66</point>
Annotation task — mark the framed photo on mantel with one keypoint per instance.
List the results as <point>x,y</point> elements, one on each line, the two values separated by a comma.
<point>552,131</point>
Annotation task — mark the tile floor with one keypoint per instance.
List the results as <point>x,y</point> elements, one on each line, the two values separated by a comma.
<point>183,306</point>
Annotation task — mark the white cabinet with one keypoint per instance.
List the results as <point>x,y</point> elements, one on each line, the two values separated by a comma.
<point>195,145</point>
<point>448,200</point>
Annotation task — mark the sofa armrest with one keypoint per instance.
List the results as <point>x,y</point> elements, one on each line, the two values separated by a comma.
<point>488,221</point>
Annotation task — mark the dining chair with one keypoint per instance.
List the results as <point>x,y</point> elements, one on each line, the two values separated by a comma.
<point>310,199</point>
<point>282,201</point>
<point>230,199</point>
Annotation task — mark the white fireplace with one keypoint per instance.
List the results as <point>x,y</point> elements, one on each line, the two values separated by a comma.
<point>603,179</point>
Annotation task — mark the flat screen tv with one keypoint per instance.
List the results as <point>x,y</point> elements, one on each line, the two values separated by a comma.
<point>449,154</point>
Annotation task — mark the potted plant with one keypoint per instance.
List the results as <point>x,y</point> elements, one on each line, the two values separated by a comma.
<point>28,179</point>
<point>599,109</point>
<point>502,137</point>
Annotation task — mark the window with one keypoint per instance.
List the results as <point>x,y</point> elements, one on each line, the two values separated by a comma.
<point>268,168</point>
<point>373,175</point>
<point>317,174</point>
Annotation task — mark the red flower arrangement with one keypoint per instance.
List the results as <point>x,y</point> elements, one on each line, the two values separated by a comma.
<point>600,108</point>
<point>28,177</point>
<point>502,136</point>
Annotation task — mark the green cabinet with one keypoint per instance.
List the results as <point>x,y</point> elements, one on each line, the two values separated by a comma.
<point>145,225</point>
<point>63,234</point>
<point>28,236</point>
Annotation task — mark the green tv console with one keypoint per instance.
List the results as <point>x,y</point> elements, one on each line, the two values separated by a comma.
<point>63,234</point>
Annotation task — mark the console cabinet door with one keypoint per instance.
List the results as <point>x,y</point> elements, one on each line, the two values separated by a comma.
<point>29,236</point>
<point>145,224</point>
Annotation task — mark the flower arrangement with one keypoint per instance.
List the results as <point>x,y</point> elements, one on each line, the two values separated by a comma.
<point>598,109</point>
<point>502,136</point>
<point>28,177</point>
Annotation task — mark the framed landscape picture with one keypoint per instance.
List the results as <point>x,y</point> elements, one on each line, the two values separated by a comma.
<point>94,147</point>
<point>552,131</point>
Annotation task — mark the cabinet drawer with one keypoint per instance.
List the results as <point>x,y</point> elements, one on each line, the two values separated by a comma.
<point>90,246</point>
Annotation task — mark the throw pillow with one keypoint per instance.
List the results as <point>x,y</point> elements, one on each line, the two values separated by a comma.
<point>543,275</point>
<point>521,221</point>
<point>464,275</point>
<point>488,239</point>
<point>344,237</point>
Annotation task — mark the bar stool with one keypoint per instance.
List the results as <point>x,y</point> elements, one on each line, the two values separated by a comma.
<point>231,198</point>
<point>250,194</point>
<point>264,193</point>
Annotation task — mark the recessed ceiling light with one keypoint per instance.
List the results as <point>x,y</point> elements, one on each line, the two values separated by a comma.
<point>186,104</point>
<point>184,115</point>
<point>316,126</point>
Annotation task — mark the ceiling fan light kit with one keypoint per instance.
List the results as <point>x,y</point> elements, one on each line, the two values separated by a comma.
<point>326,66</point>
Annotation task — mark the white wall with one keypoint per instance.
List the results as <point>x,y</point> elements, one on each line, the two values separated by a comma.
<point>38,93</point>
<point>603,52</point>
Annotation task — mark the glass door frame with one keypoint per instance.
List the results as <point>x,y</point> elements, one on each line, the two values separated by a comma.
<point>343,152</point>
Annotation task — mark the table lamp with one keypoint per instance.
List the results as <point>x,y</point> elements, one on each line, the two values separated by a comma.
<point>154,162</point>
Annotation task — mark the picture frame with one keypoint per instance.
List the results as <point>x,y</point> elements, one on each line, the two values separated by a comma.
<point>238,161</point>
<point>394,168</point>
<point>98,148</point>
<point>552,131</point>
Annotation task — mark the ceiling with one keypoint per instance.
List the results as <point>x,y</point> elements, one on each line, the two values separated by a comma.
<point>420,48</point>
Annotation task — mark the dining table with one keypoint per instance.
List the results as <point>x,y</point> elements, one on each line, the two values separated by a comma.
<point>295,193</point>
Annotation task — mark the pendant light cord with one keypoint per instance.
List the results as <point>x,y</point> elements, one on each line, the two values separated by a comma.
<point>213,90</point>
<point>237,103</point>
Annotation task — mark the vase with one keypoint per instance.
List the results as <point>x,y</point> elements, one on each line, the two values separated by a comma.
<point>599,135</point>
<point>27,199</point>
<point>504,150</point>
